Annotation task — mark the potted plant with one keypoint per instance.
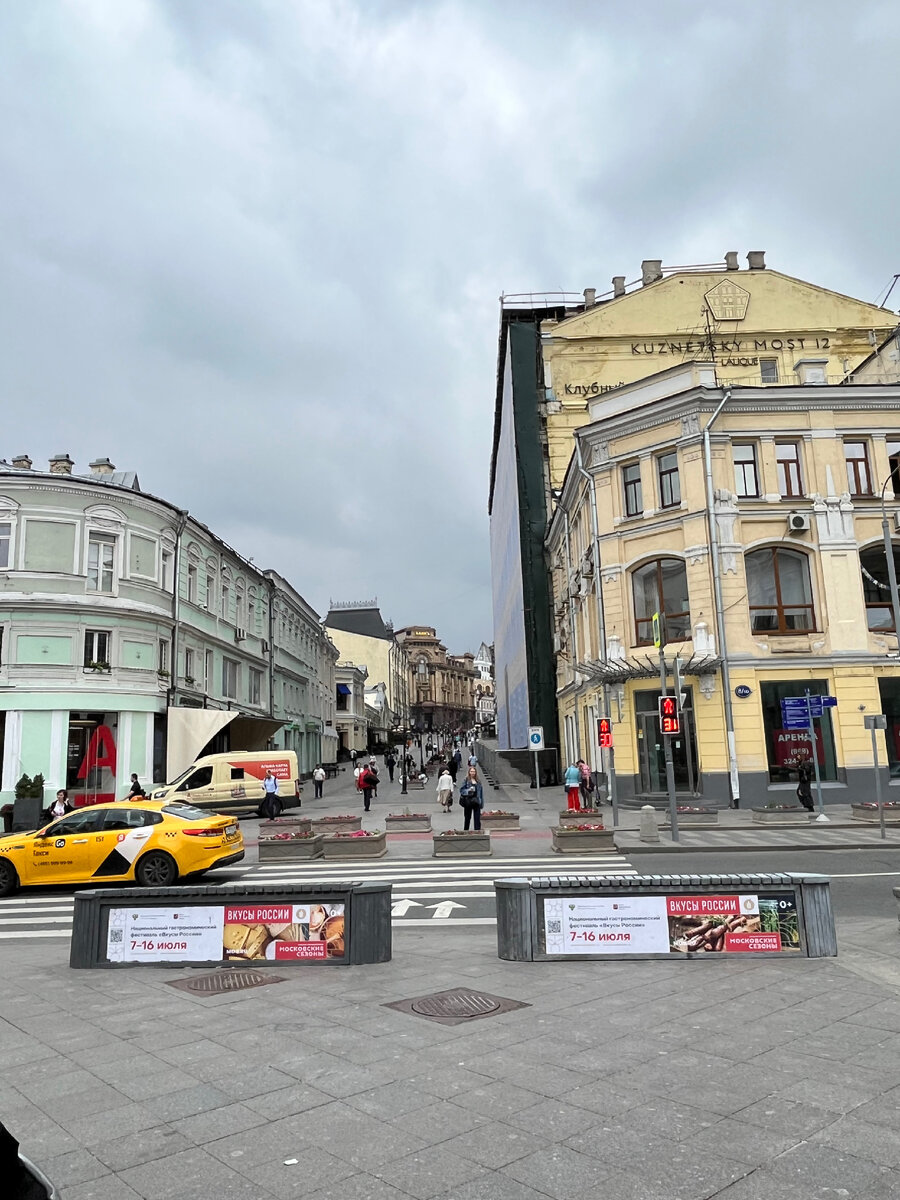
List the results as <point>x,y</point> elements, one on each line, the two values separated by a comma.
<point>98,666</point>
<point>189,680</point>
<point>496,818</point>
<point>586,837</point>
<point>290,846</point>
<point>577,816</point>
<point>346,822</point>
<point>695,814</point>
<point>29,803</point>
<point>408,822</point>
<point>457,843</point>
<point>163,673</point>
<point>867,810</point>
<point>359,843</point>
<point>781,814</point>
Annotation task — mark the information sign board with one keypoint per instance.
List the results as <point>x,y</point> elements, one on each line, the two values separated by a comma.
<point>535,737</point>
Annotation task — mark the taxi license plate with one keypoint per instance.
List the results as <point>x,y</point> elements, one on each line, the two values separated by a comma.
<point>231,832</point>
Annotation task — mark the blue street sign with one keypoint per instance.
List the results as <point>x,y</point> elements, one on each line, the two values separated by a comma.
<point>791,722</point>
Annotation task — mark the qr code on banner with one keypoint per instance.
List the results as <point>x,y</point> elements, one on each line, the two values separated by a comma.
<point>116,935</point>
<point>554,926</point>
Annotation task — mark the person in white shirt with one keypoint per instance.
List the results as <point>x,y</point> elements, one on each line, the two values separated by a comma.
<point>318,780</point>
<point>445,790</point>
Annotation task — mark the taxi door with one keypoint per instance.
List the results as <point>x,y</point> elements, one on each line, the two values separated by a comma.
<point>122,837</point>
<point>63,853</point>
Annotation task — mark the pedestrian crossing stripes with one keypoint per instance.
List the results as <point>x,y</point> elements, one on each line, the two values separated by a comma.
<point>426,892</point>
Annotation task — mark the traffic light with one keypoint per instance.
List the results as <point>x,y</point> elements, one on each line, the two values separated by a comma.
<point>669,715</point>
<point>604,733</point>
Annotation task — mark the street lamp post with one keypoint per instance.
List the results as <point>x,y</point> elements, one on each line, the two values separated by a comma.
<point>398,729</point>
<point>889,557</point>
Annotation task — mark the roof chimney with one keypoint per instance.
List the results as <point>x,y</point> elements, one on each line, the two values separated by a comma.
<point>756,260</point>
<point>651,270</point>
<point>590,297</point>
<point>22,462</point>
<point>731,262</point>
<point>102,466</point>
<point>618,282</point>
<point>61,464</point>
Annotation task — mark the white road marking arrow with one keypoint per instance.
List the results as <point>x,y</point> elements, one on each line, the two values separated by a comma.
<point>401,907</point>
<point>445,908</point>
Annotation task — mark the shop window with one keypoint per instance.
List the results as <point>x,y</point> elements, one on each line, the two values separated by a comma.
<point>96,648</point>
<point>669,484</point>
<point>768,370</point>
<point>787,457</point>
<point>230,677</point>
<point>859,479</point>
<point>876,587</point>
<point>5,541</point>
<point>787,748</point>
<point>101,562</point>
<point>746,473</point>
<point>779,592</point>
<point>893,453</point>
<point>631,482</point>
<point>661,586</point>
<point>91,758</point>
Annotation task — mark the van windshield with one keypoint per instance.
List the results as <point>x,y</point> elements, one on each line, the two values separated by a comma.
<point>178,778</point>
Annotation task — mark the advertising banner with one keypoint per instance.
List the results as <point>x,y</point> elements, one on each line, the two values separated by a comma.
<point>678,924</point>
<point>229,933</point>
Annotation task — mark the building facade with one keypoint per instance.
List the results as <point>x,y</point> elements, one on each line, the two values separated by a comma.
<point>442,685</point>
<point>132,639</point>
<point>350,721</point>
<point>760,328</point>
<point>485,701</point>
<point>363,636</point>
<point>750,520</point>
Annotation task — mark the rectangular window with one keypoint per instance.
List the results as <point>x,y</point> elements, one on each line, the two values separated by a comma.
<point>856,456</point>
<point>631,480</point>
<point>239,611</point>
<point>226,600</point>
<point>255,686</point>
<point>162,659</point>
<point>101,562</point>
<point>188,664</point>
<point>192,583</point>
<point>5,536</point>
<point>787,456</point>
<point>893,453</point>
<point>230,673</point>
<point>96,648</point>
<point>768,370</point>
<point>167,570</point>
<point>208,673</point>
<point>746,475</point>
<point>210,592</point>
<point>789,750</point>
<point>669,485</point>
<point>251,615</point>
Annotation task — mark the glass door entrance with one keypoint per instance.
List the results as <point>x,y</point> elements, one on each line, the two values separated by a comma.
<point>651,748</point>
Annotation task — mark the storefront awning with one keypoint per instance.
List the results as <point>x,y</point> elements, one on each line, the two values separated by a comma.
<point>189,729</point>
<point>620,670</point>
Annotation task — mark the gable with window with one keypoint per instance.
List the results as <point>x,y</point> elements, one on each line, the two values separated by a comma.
<point>779,592</point>
<point>661,586</point>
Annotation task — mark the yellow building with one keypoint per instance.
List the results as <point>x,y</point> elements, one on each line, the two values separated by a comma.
<point>363,637</point>
<point>750,519</point>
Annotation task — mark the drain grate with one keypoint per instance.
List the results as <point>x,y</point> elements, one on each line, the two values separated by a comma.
<point>456,1006</point>
<point>224,981</point>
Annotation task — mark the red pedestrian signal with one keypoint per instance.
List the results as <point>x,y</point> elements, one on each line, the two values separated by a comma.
<point>604,733</point>
<point>669,716</point>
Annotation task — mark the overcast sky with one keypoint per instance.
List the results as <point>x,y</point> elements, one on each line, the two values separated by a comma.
<point>253,249</point>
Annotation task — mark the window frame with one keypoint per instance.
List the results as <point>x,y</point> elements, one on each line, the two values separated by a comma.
<point>771,363</point>
<point>189,662</point>
<point>884,604</point>
<point>664,480</point>
<point>7,540</point>
<point>95,656</point>
<point>665,617</point>
<point>785,490</point>
<point>254,687</point>
<point>632,490</point>
<point>753,465</point>
<point>100,539</point>
<point>779,606</point>
<point>162,655</point>
<point>853,464</point>
<point>191,586</point>
<point>231,678</point>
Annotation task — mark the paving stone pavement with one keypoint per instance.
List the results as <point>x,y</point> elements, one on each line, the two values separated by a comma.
<point>738,1080</point>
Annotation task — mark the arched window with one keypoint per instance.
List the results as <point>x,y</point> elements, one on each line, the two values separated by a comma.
<point>876,589</point>
<point>661,586</point>
<point>778,591</point>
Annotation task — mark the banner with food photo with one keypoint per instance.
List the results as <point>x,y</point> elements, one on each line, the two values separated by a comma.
<point>733,924</point>
<point>283,932</point>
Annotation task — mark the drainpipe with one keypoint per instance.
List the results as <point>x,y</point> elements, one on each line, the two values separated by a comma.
<point>271,584</point>
<point>717,597</point>
<point>176,597</point>
<point>574,651</point>
<point>601,625</point>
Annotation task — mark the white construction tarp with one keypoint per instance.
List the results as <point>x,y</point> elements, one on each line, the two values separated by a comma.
<point>189,729</point>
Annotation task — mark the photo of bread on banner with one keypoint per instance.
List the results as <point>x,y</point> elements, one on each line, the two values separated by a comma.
<point>695,934</point>
<point>244,941</point>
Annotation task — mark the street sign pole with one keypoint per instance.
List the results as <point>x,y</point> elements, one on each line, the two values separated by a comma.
<point>874,722</point>
<point>815,758</point>
<point>667,750</point>
<point>537,774</point>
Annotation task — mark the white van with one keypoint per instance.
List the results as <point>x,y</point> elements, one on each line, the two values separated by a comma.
<point>233,783</point>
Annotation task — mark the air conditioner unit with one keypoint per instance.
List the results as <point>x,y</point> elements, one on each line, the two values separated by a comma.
<point>798,522</point>
<point>240,635</point>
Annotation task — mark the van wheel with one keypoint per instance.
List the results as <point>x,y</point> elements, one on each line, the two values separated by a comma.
<point>9,880</point>
<point>156,870</point>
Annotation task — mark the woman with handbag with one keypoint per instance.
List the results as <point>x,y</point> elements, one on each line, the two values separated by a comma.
<point>471,797</point>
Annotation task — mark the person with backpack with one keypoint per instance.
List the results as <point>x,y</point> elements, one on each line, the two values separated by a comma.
<point>471,797</point>
<point>365,782</point>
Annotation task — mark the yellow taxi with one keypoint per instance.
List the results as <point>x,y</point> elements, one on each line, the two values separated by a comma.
<point>146,841</point>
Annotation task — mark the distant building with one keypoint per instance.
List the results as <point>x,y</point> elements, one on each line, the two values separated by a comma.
<point>363,636</point>
<point>442,685</point>
<point>350,721</point>
<point>485,701</point>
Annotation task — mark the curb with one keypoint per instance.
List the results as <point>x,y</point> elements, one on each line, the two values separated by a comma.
<point>757,847</point>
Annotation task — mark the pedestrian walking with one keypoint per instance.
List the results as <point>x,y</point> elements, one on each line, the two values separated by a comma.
<point>373,773</point>
<point>453,768</point>
<point>318,780</point>
<point>271,805</point>
<point>585,783</point>
<point>471,797</point>
<point>573,787</point>
<point>445,789</point>
<point>473,761</point>
<point>353,757</point>
<point>804,790</point>
<point>389,761</point>
<point>365,783</point>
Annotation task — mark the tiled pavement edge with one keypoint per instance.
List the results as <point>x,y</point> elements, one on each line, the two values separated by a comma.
<point>661,1081</point>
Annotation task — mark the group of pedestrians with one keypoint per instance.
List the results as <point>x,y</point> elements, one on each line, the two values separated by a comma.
<point>471,792</point>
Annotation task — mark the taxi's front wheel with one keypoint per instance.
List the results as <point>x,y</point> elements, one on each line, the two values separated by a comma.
<point>9,880</point>
<point>156,869</point>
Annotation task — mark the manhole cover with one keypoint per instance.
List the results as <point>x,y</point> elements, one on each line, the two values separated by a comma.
<point>224,981</point>
<point>456,1006</point>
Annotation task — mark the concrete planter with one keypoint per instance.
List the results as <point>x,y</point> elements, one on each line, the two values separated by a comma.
<point>699,820</point>
<point>335,825</point>
<point>291,850</point>
<point>507,821</point>
<point>581,841</point>
<point>567,818</point>
<point>284,825</point>
<point>374,846</point>
<point>415,785</point>
<point>408,824</point>
<point>462,845</point>
<point>859,813</point>
<point>781,816</point>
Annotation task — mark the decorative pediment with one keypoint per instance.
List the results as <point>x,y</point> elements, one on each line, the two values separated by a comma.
<point>105,516</point>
